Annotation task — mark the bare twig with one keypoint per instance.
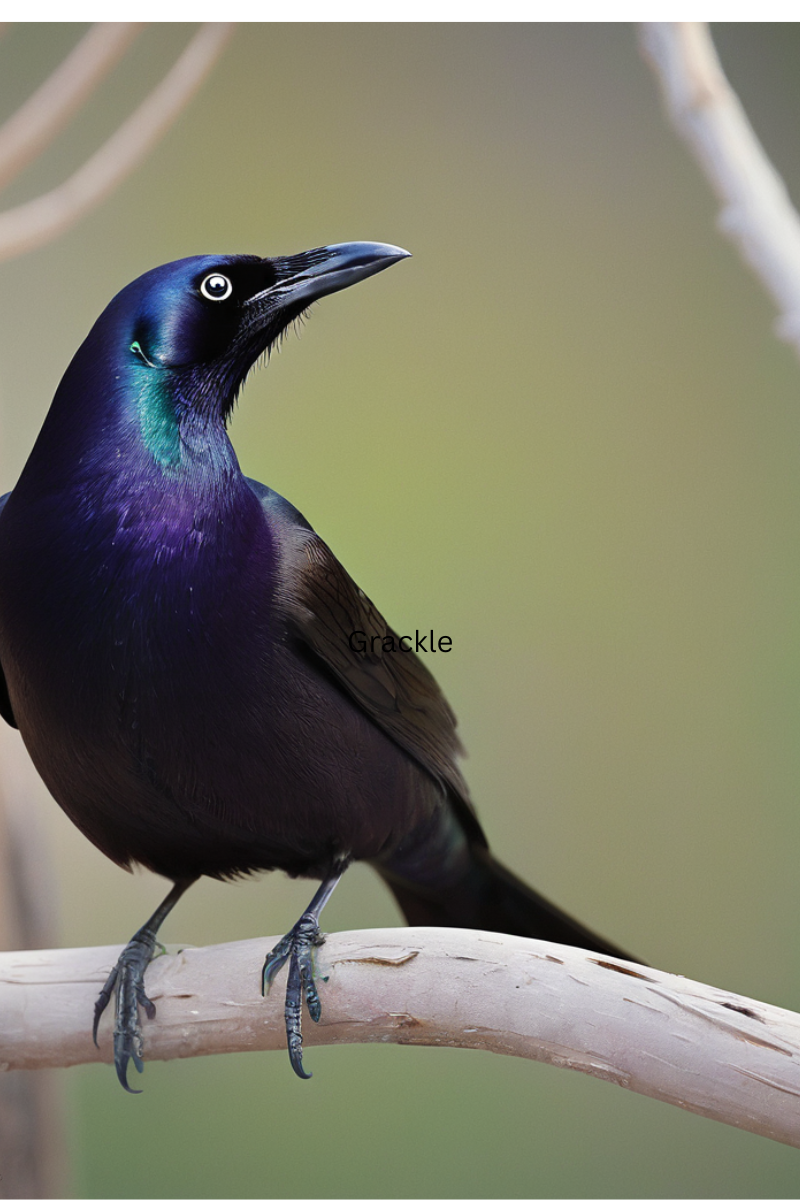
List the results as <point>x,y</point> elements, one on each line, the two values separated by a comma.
<point>756,213</point>
<point>33,126</point>
<point>37,221</point>
<point>709,1051</point>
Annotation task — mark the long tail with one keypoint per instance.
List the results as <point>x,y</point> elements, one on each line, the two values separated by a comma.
<point>488,896</point>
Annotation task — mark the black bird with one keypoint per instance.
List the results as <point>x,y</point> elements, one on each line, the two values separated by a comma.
<point>176,646</point>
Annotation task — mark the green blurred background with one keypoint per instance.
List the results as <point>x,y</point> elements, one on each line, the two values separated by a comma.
<point>564,435</point>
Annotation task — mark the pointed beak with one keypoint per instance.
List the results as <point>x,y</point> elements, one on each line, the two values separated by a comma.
<point>303,278</point>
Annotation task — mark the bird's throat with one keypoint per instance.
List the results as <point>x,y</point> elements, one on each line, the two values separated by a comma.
<point>158,419</point>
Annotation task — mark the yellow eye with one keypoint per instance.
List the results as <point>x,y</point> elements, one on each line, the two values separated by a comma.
<point>216,287</point>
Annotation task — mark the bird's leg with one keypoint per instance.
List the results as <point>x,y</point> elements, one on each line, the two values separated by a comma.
<point>298,948</point>
<point>126,982</point>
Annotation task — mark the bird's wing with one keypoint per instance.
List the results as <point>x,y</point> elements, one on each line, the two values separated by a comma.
<point>323,607</point>
<point>6,711</point>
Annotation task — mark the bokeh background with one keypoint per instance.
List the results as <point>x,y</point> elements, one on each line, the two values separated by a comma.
<point>564,435</point>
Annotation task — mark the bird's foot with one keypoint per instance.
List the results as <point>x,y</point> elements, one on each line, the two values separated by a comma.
<point>297,947</point>
<point>126,983</point>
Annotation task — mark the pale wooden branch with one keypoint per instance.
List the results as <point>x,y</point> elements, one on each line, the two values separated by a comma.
<point>712,1052</point>
<point>756,211</point>
<point>38,221</point>
<point>44,114</point>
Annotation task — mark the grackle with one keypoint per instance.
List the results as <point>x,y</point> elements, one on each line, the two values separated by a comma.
<point>175,643</point>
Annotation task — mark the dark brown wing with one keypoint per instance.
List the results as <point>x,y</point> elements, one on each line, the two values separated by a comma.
<point>326,607</point>
<point>323,607</point>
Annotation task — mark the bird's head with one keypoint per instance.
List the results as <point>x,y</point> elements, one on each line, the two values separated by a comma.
<point>179,341</point>
<point>215,315</point>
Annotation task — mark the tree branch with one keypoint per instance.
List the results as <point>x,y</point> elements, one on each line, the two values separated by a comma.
<point>756,212</point>
<point>37,221</point>
<point>44,114</point>
<point>712,1052</point>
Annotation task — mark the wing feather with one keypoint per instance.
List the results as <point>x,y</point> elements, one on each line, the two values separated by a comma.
<point>323,607</point>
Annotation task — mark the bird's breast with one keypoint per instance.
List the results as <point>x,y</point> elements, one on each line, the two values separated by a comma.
<point>104,605</point>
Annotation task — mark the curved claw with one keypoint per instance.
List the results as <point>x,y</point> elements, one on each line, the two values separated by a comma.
<point>122,1056</point>
<point>126,984</point>
<point>296,948</point>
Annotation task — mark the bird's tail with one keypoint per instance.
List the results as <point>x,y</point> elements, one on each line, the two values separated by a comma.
<point>488,896</point>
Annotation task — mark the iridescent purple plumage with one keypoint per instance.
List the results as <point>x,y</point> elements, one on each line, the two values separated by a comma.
<point>174,639</point>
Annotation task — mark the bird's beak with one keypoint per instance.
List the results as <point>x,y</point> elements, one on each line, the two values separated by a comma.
<point>303,278</point>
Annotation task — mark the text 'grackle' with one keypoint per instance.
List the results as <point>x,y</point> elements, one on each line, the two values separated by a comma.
<point>176,642</point>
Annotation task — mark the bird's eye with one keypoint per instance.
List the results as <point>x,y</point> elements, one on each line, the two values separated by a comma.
<point>216,287</point>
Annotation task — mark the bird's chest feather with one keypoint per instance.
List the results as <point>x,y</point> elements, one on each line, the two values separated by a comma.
<point>112,611</point>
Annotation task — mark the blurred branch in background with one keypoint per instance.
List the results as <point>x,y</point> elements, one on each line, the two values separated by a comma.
<point>709,1051</point>
<point>31,129</point>
<point>756,213</point>
<point>40,220</point>
<point>33,1160</point>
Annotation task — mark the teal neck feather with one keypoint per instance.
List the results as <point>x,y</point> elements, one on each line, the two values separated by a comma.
<point>158,419</point>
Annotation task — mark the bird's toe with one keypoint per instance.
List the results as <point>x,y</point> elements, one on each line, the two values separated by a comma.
<point>296,948</point>
<point>126,984</point>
